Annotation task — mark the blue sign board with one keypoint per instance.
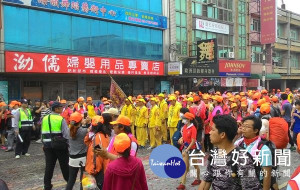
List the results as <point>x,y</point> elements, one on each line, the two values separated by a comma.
<point>98,10</point>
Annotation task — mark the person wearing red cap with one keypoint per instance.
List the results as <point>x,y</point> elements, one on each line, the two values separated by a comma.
<point>127,171</point>
<point>77,150</point>
<point>97,137</point>
<point>189,140</point>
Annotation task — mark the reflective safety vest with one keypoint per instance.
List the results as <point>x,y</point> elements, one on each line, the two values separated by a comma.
<point>25,120</point>
<point>56,122</point>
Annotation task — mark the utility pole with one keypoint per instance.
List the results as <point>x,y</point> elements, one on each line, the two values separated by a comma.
<point>263,78</point>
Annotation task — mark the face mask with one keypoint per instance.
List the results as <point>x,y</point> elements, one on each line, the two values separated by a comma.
<point>184,121</point>
<point>181,115</point>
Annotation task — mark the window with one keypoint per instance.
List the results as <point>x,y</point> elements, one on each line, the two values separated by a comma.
<point>255,26</point>
<point>242,41</point>
<point>257,54</point>
<point>294,61</point>
<point>294,34</point>
<point>39,31</point>
<point>181,23</point>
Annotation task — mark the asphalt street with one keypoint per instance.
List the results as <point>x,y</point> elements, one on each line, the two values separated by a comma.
<point>27,173</point>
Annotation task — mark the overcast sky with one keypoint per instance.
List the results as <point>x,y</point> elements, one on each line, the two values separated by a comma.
<point>291,5</point>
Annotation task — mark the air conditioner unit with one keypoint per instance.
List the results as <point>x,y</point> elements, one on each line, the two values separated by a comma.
<point>231,55</point>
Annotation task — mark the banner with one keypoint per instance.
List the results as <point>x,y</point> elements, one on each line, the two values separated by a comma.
<point>234,68</point>
<point>174,68</point>
<point>207,51</point>
<point>233,82</point>
<point>268,21</point>
<point>116,94</point>
<point>97,10</point>
<point>210,26</point>
<point>20,62</point>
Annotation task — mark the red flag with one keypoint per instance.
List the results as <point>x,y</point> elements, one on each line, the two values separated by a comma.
<point>116,94</point>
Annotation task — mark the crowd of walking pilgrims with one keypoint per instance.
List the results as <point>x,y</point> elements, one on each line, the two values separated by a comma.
<point>101,142</point>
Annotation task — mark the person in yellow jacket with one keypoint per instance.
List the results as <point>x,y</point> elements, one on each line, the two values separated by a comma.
<point>90,107</point>
<point>154,125</point>
<point>163,116</point>
<point>141,122</point>
<point>173,116</point>
<point>129,111</point>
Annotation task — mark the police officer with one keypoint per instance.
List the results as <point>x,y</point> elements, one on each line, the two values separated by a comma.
<point>59,128</point>
<point>23,126</point>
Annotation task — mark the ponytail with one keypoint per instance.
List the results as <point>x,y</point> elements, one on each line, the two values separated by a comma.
<point>73,129</point>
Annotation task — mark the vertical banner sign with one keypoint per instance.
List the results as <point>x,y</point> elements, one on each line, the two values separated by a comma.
<point>268,21</point>
<point>4,91</point>
<point>207,51</point>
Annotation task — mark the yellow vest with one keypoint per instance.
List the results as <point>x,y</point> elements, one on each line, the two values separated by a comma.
<point>141,116</point>
<point>173,116</point>
<point>154,117</point>
<point>163,110</point>
<point>129,111</point>
<point>91,111</point>
<point>290,97</point>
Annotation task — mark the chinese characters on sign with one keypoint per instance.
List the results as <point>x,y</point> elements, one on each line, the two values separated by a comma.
<point>207,51</point>
<point>268,21</point>
<point>209,26</point>
<point>50,63</point>
<point>192,68</point>
<point>98,10</point>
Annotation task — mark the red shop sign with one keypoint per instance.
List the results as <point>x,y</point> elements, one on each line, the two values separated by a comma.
<point>234,68</point>
<point>268,21</point>
<point>21,62</point>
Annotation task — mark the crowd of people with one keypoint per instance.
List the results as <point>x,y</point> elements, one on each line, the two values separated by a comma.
<point>101,140</point>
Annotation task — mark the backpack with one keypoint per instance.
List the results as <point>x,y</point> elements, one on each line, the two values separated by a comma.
<point>278,132</point>
<point>258,168</point>
<point>276,111</point>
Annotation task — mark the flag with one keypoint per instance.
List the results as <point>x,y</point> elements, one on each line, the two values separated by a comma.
<point>116,94</point>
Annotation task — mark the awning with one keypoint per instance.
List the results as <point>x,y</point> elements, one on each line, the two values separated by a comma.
<point>268,76</point>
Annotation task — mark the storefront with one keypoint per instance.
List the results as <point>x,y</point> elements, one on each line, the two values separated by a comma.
<point>66,48</point>
<point>46,76</point>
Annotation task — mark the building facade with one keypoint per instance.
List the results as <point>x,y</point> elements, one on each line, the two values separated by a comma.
<point>282,57</point>
<point>224,21</point>
<point>66,48</point>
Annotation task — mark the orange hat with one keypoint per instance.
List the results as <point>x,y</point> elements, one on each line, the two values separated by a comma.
<point>122,120</point>
<point>264,92</point>
<point>97,119</point>
<point>265,109</point>
<point>177,92</point>
<point>244,104</point>
<point>232,99</point>
<point>196,98</point>
<point>89,98</point>
<point>189,116</point>
<point>200,93</point>
<point>122,142</point>
<point>233,105</point>
<point>205,97</point>
<point>171,98</point>
<point>218,93</point>
<point>237,97</point>
<point>260,102</point>
<point>242,94</point>
<point>256,96</point>
<point>139,97</point>
<point>2,104</point>
<point>80,99</point>
<point>13,103</point>
<point>76,116</point>
<point>274,99</point>
<point>63,101</point>
<point>244,99</point>
<point>219,98</point>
